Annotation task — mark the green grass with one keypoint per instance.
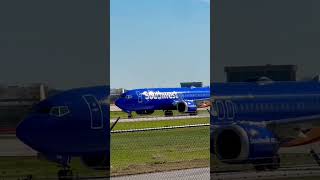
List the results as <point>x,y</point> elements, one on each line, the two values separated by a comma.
<point>151,151</point>
<point>158,113</point>
<point>161,123</point>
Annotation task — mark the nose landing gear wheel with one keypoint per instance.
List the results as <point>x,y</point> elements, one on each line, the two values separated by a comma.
<point>65,174</point>
<point>275,164</point>
<point>168,113</point>
<point>193,113</point>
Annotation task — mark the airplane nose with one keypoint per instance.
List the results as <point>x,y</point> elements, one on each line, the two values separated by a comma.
<point>119,103</point>
<point>22,131</point>
<point>29,131</point>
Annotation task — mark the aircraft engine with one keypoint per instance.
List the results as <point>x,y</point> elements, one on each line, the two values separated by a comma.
<point>186,106</point>
<point>97,161</point>
<point>244,144</point>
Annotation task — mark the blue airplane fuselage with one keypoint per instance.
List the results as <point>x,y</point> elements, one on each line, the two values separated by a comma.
<point>250,121</point>
<point>162,99</point>
<point>71,123</point>
<point>255,102</point>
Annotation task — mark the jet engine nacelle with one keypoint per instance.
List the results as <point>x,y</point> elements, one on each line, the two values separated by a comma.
<point>186,106</point>
<point>244,144</point>
<point>97,161</point>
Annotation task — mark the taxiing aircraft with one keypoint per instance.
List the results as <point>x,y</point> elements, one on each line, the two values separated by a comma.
<point>146,101</point>
<point>250,121</point>
<point>72,123</point>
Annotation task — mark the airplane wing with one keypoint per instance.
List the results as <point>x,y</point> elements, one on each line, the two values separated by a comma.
<point>202,103</point>
<point>299,128</point>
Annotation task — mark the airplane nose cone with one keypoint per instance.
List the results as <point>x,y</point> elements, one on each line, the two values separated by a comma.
<point>22,131</point>
<point>29,132</point>
<point>119,102</point>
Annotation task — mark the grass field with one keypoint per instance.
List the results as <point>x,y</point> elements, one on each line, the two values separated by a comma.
<point>158,113</point>
<point>141,152</point>
<point>160,150</point>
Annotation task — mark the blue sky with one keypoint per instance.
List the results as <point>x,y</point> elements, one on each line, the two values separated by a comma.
<point>159,43</point>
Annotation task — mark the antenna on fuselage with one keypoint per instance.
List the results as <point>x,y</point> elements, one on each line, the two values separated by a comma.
<point>114,124</point>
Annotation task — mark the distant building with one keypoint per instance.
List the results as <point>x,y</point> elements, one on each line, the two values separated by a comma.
<point>274,72</point>
<point>16,102</point>
<point>115,94</point>
<point>191,84</point>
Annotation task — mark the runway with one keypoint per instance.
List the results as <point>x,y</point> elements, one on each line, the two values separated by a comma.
<point>11,146</point>
<point>281,173</point>
<point>201,173</point>
<point>204,173</point>
<point>162,118</point>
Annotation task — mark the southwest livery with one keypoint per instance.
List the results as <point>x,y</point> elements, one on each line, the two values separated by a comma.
<point>146,101</point>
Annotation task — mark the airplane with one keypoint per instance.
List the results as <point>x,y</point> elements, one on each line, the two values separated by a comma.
<point>73,123</point>
<point>146,101</point>
<point>251,121</point>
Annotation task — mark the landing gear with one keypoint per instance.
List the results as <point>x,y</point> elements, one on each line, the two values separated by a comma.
<point>268,164</point>
<point>315,156</point>
<point>193,113</point>
<point>129,115</point>
<point>168,113</point>
<point>275,163</point>
<point>65,174</point>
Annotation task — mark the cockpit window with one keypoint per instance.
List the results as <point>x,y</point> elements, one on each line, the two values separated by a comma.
<point>123,95</point>
<point>64,110</point>
<point>128,96</point>
<point>55,111</point>
<point>59,111</point>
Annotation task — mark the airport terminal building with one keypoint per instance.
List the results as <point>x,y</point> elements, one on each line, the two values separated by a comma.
<point>274,72</point>
<point>15,103</point>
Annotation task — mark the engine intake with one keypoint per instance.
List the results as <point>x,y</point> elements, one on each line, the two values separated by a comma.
<point>244,143</point>
<point>185,107</point>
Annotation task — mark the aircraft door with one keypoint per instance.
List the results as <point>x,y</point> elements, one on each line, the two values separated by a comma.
<point>95,111</point>
<point>139,97</point>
